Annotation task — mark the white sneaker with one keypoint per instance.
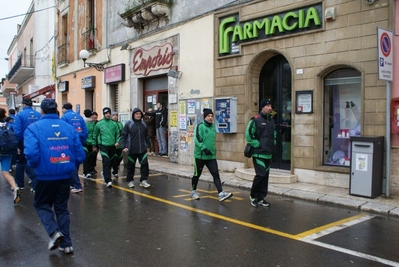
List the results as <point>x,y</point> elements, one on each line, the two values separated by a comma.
<point>75,191</point>
<point>194,194</point>
<point>130,184</point>
<point>109,184</point>
<point>223,196</point>
<point>145,184</point>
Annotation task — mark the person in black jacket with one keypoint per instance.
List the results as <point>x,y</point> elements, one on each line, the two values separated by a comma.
<point>136,142</point>
<point>161,121</point>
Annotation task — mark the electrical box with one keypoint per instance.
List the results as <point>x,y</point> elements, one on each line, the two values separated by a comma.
<point>226,114</point>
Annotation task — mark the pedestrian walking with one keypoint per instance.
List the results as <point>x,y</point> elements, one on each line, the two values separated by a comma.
<point>260,134</point>
<point>54,150</point>
<point>150,122</point>
<point>106,135</point>
<point>161,121</point>
<point>205,155</point>
<point>78,123</point>
<point>136,143</point>
<point>93,158</point>
<point>89,148</point>
<point>23,119</point>
<point>5,161</point>
<point>118,154</point>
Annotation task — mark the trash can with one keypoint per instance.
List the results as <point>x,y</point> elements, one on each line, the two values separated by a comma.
<point>366,163</point>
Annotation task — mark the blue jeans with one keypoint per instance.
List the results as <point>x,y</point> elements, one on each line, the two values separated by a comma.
<point>75,182</point>
<point>53,194</point>
<point>161,137</point>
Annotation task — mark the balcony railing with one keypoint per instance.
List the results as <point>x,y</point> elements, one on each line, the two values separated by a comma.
<point>62,55</point>
<point>88,39</point>
<point>23,68</point>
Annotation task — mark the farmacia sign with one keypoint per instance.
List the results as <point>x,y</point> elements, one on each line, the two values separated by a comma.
<point>233,32</point>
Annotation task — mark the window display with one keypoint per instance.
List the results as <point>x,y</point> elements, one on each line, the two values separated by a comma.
<point>342,109</point>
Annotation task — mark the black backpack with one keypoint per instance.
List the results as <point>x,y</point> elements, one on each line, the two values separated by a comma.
<point>8,142</point>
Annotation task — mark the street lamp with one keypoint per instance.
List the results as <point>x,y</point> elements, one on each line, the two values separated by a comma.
<point>84,55</point>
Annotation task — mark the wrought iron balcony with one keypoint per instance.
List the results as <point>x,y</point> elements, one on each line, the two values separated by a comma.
<point>23,69</point>
<point>89,39</point>
<point>62,55</point>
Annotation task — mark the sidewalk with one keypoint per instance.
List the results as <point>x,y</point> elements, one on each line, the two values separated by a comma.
<point>322,194</point>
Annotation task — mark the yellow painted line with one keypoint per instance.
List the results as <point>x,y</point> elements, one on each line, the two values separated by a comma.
<point>210,214</point>
<point>238,222</point>
<point>327,226</point>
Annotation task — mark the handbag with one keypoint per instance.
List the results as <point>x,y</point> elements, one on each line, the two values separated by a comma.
<point>248,151</point>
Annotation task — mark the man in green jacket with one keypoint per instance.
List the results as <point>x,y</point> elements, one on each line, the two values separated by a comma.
<point>260,133</point>
<point>118,153</point>
<point>89,147</point>
<point>106,135</point>
<point>205,154</point>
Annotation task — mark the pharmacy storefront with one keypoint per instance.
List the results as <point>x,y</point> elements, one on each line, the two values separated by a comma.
<point>319,68</point>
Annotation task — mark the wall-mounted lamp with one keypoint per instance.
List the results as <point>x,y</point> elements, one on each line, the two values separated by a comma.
<point>174,73</point>
<point>84,55</point>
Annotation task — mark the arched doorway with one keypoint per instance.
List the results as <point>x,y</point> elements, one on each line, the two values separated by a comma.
<point>275,83</point>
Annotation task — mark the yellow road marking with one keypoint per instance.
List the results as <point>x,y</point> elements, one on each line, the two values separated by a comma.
<point>329,225</point>
<point>238,222</point>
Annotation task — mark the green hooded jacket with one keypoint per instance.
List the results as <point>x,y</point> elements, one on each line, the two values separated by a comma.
<point>204,138</point>
<point>106,132</point>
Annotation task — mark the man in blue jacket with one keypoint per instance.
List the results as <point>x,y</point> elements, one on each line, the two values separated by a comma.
<point>22,120</point>
<point>80,127</point>
<point>53,151</point>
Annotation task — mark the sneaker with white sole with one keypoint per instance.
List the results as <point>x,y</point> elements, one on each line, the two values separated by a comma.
<point>87,175</point>
<point>145,184</point>
<point>55,240</point>
<point>17,195</point>
<point>130,184</point>
<point>194,195</point>
<point>254,201</point>
<point>75,191</point>
<point>66,250</point>
<point>224,195</point>
<point>263,203</point>
<point>109,184</point>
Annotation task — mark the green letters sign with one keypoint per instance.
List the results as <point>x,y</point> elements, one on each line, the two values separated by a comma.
<point>233,32</point>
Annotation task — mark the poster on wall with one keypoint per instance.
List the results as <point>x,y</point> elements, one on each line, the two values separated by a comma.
<point>191,106</point>
<point>173,118</point>
<point>182,116</point>
<point>361,162</point>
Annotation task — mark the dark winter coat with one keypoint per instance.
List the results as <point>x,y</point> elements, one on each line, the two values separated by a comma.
<point>135,136</point>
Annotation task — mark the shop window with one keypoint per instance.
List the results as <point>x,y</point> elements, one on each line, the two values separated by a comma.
<point>342,112</point>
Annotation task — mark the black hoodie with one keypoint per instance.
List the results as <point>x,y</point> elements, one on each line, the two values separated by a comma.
<point>134,135</point>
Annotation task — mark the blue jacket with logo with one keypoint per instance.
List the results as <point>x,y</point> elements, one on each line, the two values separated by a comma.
<point>53,149</point>
<point>23,119</point>
<point>78,123</point>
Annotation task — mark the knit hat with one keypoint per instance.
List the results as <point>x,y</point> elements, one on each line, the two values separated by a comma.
<point>67,106</point>
<point>106,110</point>
<point>27,101</point>
<point>48,105</point>
<point>265,102</point>
<point>87,113</point>
<point>207,111</point>
<point>114,113</point>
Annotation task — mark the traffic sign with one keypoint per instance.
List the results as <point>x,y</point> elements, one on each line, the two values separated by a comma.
<point>385,49</point>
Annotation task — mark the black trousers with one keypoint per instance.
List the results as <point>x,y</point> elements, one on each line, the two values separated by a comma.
<point>260,183</point>
<point>88,165</point>
<point>212,166</point>
<point>107,155</point>
<point>131,166</point>
<point>117,160</point>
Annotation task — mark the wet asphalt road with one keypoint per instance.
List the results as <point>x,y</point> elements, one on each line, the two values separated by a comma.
<point>162,226</point>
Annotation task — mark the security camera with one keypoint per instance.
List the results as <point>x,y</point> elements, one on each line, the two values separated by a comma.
<point>370,1</point>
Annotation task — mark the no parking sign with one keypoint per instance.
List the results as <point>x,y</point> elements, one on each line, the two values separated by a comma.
<point>385,51</point>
